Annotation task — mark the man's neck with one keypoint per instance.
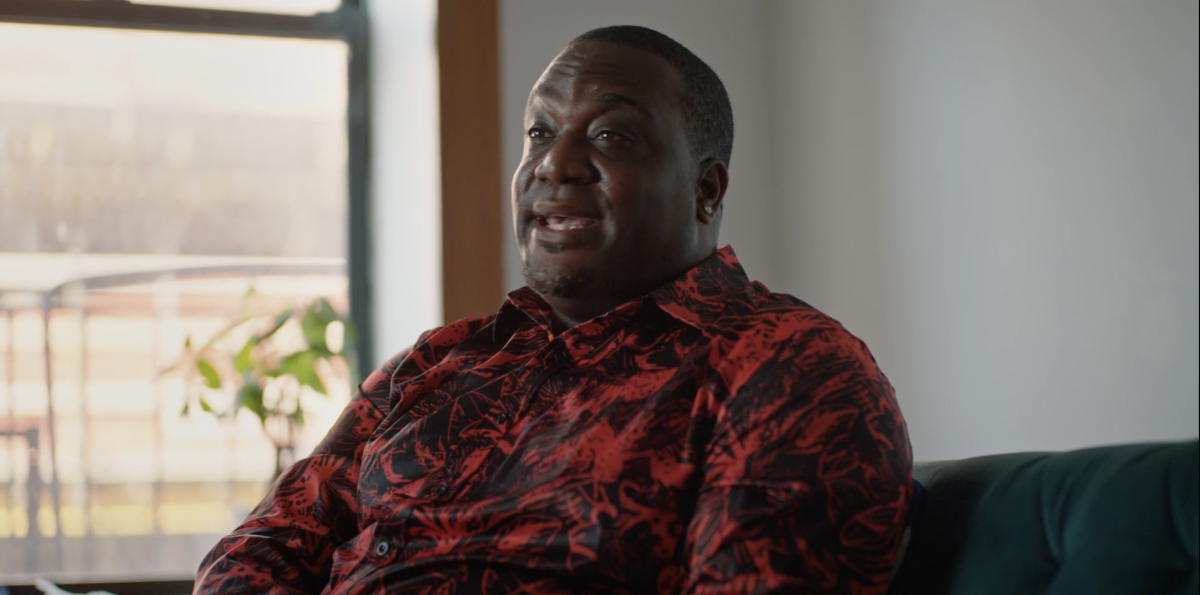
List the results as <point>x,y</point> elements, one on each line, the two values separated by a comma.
<point>590,302</point>
<point>566,313</point>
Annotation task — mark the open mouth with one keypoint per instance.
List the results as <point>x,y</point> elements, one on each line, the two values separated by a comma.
<point>565,223</point>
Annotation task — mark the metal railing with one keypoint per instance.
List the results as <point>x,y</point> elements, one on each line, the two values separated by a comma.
<point>45,553</point>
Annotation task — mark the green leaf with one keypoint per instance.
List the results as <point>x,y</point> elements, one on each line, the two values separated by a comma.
<point>324,308</point>
<point>317,317</point>
<point>300,365</point>
<point>250,293</point>
<point>187,342</point>
<point>186,408</point>
<point>298,416</point>
<point>250,396</point>
<point>242,361</point>
<point>313,324</point>
<point>280,320</point>
<point>211,378</point>
<point>205,406</point>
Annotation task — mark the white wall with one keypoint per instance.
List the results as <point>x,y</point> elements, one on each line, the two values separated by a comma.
<point>726,35</point>
<point>405,183</point>
<point>999,197</point>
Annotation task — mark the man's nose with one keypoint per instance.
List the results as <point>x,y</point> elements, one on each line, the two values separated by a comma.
<point>567,161</point>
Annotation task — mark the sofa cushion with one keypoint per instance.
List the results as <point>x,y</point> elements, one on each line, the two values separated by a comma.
<point>1111,520</point>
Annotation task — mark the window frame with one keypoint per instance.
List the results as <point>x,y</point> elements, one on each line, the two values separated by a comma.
<point>349,24</point>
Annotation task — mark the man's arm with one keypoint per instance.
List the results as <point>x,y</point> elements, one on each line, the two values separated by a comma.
<point>807,479</point>
<point>286,545</point>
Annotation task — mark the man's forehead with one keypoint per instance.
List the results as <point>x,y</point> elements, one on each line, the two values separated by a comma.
<point>606,73</point>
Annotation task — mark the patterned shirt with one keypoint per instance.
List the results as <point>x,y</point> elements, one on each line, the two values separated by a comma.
<point>709,437</point>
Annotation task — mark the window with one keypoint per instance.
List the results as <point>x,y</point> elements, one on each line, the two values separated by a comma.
<point>157,186</point>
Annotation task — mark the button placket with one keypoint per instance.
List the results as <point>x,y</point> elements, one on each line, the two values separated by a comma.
<point>551,359</point>
<point>558,359</point>
<point>439,490</point>
<point>521,396</point>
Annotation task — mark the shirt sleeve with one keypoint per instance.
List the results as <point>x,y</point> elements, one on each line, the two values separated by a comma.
<point>286,544</point>
<point>807,479</point>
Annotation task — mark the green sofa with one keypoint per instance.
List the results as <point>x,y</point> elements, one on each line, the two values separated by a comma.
<point>1116,520</point>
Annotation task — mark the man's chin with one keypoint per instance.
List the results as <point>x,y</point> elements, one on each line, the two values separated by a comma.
<point>560,282</point>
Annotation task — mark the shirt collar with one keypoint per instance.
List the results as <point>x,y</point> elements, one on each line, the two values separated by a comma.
<point>697,298</point>
<point>700,296</point>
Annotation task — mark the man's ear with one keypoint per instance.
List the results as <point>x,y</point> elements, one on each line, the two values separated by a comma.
<point>710,189</point>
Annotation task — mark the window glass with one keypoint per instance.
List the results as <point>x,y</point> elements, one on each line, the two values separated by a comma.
<point>155,189</point>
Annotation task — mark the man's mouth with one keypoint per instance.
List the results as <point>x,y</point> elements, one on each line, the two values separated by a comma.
<point>564,223</point>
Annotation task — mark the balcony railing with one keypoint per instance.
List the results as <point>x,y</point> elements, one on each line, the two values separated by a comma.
<point>101,477</point>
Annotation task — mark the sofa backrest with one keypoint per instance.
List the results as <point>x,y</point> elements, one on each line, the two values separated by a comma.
<point>1114,520</point>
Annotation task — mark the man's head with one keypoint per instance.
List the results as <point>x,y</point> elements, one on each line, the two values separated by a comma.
<point>628,138</point>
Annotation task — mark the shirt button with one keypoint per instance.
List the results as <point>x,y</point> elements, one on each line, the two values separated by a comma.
<point>502,419</point>
<point>382,548</point>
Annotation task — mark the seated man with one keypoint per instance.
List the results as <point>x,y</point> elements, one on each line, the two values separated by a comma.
<point>642,418</point>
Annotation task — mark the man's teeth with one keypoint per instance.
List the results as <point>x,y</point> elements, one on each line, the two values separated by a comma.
<point>560,223</point>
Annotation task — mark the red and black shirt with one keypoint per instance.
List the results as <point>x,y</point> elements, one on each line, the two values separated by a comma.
<point>709,437</point>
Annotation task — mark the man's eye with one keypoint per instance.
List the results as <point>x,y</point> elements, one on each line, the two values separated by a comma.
<point>536,132</point>
<point>608,135</point>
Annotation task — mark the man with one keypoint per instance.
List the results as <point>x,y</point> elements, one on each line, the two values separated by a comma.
<point>640,419</point>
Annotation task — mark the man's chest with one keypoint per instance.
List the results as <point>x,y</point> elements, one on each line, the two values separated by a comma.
<point>528,420</point>
<point>604,445</point>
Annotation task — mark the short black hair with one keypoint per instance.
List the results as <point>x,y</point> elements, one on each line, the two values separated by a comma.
<point>707,113</point>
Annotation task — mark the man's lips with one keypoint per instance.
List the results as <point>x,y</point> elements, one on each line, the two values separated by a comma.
<point>560,231</point>
<point>566,222</point>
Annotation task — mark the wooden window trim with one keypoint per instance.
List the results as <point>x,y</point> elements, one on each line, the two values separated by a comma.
<point>472,195</point>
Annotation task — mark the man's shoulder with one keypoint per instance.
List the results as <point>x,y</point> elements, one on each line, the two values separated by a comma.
<point>783,315</point>
<point>781,326</point>
<point>775,339</point>
<point>430,347</point>
<point>435,343</point>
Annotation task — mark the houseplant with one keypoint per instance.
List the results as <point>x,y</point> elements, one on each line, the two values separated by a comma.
<point>262,364</point>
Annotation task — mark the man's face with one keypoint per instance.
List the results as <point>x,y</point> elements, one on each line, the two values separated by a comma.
<point>604,200</point>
